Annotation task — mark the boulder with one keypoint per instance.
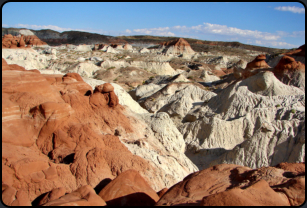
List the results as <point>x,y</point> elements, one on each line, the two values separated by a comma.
<point>129,189</point>
<point>258,194</point>
<point>235,185</point>
<point>124,98</point>
<point>52,195</point>
<point>258,62</point>
<point>21,42</point>
<point>83,196</point>
<point>290,72</point>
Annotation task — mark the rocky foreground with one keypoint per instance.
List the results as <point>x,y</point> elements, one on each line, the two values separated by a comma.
<point>170,131</point>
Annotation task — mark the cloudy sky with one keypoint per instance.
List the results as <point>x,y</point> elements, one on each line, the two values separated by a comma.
<point>269,24</point>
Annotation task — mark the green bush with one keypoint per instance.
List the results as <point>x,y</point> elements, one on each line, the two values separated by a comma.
<point>293,111</point>
<point>277,106</point>
<point>112,67</point>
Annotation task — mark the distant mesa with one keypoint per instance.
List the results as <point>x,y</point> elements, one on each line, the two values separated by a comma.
<point>177,46</point>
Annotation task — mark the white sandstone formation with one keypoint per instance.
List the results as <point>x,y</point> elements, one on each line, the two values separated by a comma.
<point>144,50</point>
<point>159,68</point>
<point>248,123</point>
<point>29,59</point>
<point>162,145</point>
<point>177,99</point>
<point>117,64</point>
<point>110,49</point>
<point>83,48</point>
<point>208,76</point>
<point>85,69</point>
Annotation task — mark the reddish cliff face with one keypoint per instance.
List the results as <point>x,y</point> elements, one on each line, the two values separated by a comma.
<point>9,41</point>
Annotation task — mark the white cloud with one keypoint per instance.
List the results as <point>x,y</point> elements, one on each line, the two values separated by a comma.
<point>208,28</point>
<point>283,44</point>
<point>161,31</point>
<point>4,25</point>
<point>128,31</point>
<point>293,9</point>
<point>52,27</point>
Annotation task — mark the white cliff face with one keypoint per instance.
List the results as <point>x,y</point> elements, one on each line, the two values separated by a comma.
<point>159,68</point>
<point>256,122</point>
<point>27,58</point>
<point>117,64</point>
<point>162,145</point>
<point>85,69</point>
<point>177,99</point>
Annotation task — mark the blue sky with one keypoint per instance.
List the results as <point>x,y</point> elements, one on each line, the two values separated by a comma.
<point>269,24</point>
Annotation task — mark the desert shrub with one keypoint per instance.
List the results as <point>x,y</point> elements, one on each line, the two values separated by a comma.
<point>277,106</point>
<point>293,111</point>
<point>112,67</point>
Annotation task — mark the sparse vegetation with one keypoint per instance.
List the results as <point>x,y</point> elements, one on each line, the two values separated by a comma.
<point>293,111</point>
<point>112,67</point>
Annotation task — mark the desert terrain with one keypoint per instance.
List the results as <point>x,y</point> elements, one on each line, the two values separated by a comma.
<point>93,120</point>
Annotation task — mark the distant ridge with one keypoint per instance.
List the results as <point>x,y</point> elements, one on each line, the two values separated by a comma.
<point>53,38</point>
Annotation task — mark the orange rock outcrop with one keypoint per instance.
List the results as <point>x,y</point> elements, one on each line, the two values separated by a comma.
<point>9,41</point>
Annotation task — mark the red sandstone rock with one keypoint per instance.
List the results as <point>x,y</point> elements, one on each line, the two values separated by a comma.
<point>75,81</point>
<point>52,195</point>
<point>129,189</point>
<point>12,197</point>
<point>177,46</point>
<point>104,94</point>
<point>258,62</point>
<point>203,183</point>
<point>107,87</point>
<point>33,40</point>
<point>258,194</point>
<point>231,185</point>
<point>9,41</point>
<point>5,66</point>
<point>66,129</point>
<point>294,189</point>
<point>21,42</point>
<point>288,64</point>
<point>69,76</point>
<point>297,52</point>
<point>162,192</point>
<point>84,196</point>
<point>296,168</point>
<point>35,71</point>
